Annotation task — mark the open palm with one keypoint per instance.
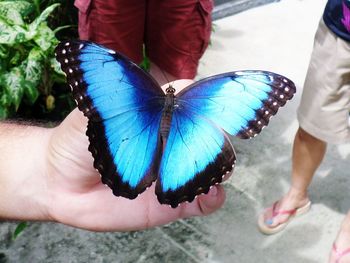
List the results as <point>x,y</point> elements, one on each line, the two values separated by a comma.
<point>78,198</point>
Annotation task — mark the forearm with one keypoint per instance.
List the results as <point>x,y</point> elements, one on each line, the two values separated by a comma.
<point>23,191</point>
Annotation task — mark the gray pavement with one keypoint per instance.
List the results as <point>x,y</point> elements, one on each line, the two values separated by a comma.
<point>276,37</point>
<point>224,8</point>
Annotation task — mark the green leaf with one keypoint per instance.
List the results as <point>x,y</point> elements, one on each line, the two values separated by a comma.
<point>3,51</point>
<point>31,92</point>
<point>57,68</point>
<point>12,16</point>
<point>145,63</point>
<point>5,100</point>
<point>34,66</point>
<point>3,112</point>
<point>15,59</point>
<point>14,84</point>
<point>19,229</point>
<point>12,34</point>
<point>14,11</point>
<point>33,27</point>
<point>45,37</point>
<point>63,27</point>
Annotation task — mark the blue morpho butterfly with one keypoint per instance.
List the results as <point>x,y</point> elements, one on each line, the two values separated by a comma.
<point>139,134</point>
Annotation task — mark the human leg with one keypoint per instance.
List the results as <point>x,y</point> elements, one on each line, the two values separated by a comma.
<point>308,152</point>
<point>117,24</point>
<point>323,116</point>
<point>177,34</point>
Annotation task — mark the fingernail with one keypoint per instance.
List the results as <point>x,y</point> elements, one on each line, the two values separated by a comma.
<point>213,191</point>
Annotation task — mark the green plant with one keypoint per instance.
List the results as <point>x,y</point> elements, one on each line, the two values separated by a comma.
<point>27,64</point>
<point>145,64</point>
<point>19,229</point>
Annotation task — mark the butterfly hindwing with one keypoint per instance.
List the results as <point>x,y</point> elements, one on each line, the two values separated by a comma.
<point>240,102</point>
<point>197,155</point>
<point>124,106</point>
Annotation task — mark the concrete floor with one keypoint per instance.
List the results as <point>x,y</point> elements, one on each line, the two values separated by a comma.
<point>276,37</point>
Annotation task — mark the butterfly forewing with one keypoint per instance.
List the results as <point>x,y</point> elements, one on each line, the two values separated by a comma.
<point>124,106</point>
<point>240,102</point>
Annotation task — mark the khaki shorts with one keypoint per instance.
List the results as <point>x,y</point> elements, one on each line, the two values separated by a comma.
<point>325,103</point>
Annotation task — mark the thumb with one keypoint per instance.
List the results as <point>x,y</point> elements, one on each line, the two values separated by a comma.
<point>205,204</point>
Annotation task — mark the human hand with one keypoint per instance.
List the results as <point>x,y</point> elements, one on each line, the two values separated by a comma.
<point>77,197</point>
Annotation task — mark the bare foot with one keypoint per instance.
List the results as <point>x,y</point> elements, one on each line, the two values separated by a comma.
<point>286,207</point>
<point>340,252</point>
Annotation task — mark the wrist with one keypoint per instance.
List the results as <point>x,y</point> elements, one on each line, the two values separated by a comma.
<point>23,178</point>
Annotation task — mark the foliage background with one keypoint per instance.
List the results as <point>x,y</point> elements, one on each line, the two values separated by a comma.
<point>31,83</point>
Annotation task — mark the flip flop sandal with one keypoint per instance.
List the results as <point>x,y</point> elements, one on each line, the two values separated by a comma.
<point>267,230</point>
<point>340,254</point>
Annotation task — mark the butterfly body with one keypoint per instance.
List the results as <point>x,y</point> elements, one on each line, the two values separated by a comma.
<point>169,105</point>
<point>140,134</point>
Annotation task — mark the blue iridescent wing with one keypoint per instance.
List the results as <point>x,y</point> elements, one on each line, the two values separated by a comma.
<point>124,106</point>
<point>240,102</point>
<point>198,153</point>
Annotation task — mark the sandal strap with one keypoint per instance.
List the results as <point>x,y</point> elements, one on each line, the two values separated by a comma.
<point>340,254</point>
<point>282,212</point>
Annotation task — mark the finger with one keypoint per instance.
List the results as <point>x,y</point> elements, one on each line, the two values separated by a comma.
<point>111,213</point>
<point>201,206</point>
<point>76,120</point>
<point>206,204</point>
<point>69,151</point>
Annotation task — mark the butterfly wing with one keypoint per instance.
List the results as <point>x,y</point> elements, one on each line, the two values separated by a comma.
<point>240,102</point>
<point>124,106</point>
<point>198,153</point>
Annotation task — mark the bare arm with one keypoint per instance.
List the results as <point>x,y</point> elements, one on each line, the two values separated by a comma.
<point>23,189</point>
<point>47,174</point>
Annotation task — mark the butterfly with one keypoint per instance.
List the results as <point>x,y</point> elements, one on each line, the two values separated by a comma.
<point>140,134</point>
